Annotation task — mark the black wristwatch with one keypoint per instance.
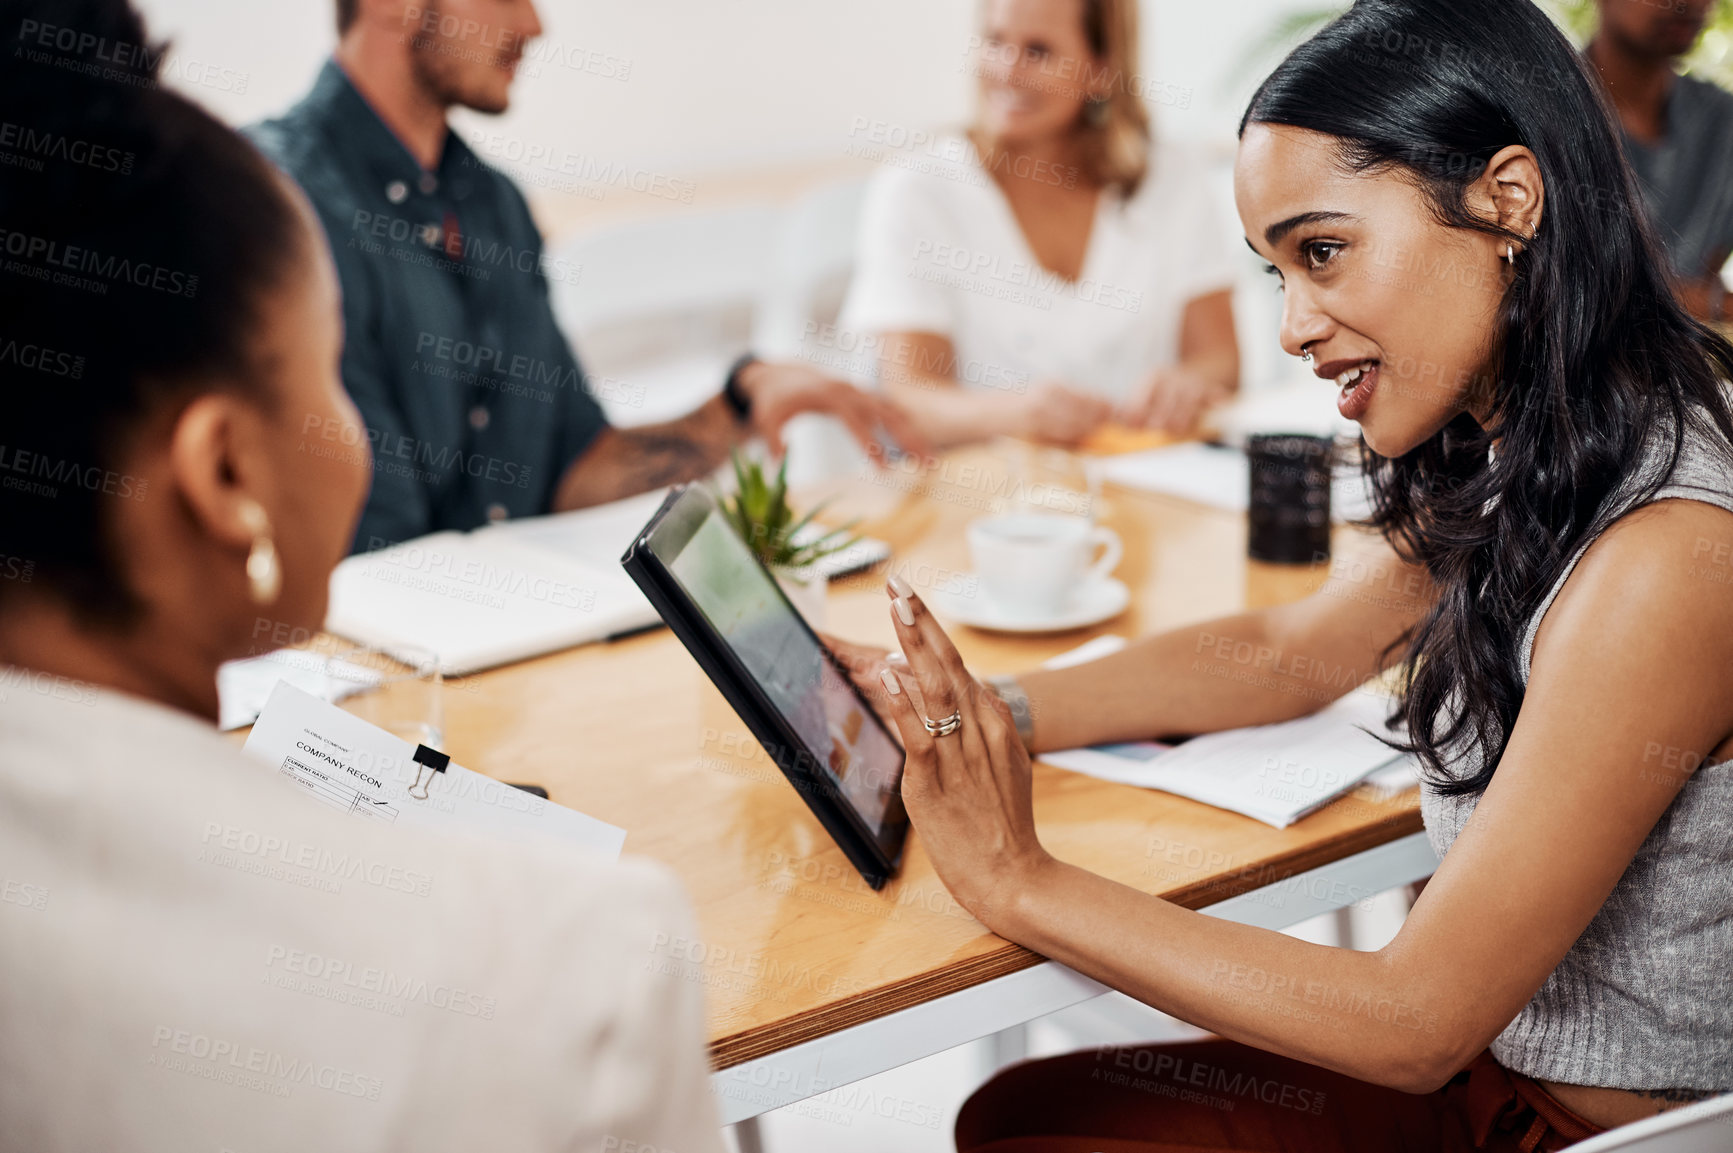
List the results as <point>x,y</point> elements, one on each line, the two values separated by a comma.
<point>733,395</point>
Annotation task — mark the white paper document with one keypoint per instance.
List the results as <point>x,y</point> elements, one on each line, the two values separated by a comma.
<point>1205,473</point>
<point>244,686</point>
<point>1092,649</point>
<point>349,764</point>
<point>1274,773</point>
<point>1221,478</point>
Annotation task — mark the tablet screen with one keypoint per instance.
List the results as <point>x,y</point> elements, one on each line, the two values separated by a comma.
<point>742,603</point>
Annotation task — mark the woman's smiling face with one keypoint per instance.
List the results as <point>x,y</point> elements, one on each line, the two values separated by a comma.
<point>1398,309</point>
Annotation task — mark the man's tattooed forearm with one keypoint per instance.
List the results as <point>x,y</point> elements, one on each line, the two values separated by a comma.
<point>680,450</point>
<point>658,458</point>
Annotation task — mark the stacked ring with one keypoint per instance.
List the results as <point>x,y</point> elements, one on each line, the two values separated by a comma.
<point>945,727</point>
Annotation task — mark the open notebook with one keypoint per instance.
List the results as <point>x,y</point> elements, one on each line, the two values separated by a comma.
<point>510,591</point>
<point>499,594</point>
<point>1274,773</point>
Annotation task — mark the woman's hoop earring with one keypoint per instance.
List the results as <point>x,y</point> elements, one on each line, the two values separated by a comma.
<point>264,570</point>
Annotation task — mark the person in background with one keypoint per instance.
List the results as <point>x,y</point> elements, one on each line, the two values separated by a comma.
<point>1053,271</point>
<point>476,408</point>
<point>1678,136</point>
<point>197,954</point>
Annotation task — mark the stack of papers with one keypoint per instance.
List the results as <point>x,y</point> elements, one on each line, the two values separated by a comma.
<point>1273,773</point>
<point>342,761</point>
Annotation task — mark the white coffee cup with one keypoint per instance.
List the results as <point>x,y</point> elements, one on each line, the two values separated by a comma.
<point>1033,564</point>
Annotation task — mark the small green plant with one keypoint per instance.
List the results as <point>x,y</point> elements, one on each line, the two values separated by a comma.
<point>759,511</point>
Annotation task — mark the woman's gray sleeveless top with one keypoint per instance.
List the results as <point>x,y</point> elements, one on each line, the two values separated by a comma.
<point>1644,999</point>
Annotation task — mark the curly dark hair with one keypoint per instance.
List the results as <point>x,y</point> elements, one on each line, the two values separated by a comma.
<point>1595,359</point>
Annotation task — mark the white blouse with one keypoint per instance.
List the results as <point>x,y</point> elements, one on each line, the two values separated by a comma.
<point>194,955</point>
<point>941,252</point>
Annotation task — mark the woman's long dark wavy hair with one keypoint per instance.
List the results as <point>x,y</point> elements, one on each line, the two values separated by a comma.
<point>1595,360</point>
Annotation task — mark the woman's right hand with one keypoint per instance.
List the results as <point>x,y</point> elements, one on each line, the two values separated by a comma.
<point>1053,413</point>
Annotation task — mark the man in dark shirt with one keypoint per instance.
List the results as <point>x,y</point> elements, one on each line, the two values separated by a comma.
<point>1678,135</point>
<point>476,408</point>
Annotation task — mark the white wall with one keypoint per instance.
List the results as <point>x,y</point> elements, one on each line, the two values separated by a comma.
<point>714,86</point>
<point>724,101</point>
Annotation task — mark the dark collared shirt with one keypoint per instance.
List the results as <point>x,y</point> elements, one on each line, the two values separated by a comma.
<point>1687,176</point>
<point>474,401</point>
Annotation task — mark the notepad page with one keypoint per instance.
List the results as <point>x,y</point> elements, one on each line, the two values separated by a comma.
<point>598,535</point>
<point>1275,773</point>
<point>478,600</point>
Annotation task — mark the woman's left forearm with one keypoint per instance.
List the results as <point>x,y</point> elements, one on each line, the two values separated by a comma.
<point>1367,1015</point>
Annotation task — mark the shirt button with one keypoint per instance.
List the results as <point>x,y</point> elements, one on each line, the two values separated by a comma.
<point>397,192</point>
<point>497,513</point>
<point>429,183</point>
<point>478,417</point>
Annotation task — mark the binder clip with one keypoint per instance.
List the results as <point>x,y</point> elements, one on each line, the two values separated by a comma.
<point>427,762</point>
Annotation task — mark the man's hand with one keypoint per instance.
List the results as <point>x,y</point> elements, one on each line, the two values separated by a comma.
<point>780,392</point>
<point>1174,400</point>
<point>1051,413</point>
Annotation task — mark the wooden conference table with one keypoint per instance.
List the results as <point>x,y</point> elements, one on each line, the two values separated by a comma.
<point>811,978</point>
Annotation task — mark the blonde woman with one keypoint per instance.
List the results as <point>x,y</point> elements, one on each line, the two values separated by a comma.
<point>1054,270</point>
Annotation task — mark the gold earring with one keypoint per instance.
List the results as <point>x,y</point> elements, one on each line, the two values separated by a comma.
<point>264,572</point>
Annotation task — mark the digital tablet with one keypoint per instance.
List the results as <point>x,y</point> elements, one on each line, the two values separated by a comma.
<point>736,622</point>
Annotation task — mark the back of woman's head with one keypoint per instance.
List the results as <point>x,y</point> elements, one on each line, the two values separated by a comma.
<point>1593,359</point>
<point>138,238</point>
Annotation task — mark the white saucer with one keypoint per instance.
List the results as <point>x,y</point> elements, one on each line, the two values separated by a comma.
<point>1091,604</point>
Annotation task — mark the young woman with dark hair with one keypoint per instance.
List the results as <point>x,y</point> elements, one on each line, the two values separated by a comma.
<point>1438,188</point>
<point>194,954</point>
